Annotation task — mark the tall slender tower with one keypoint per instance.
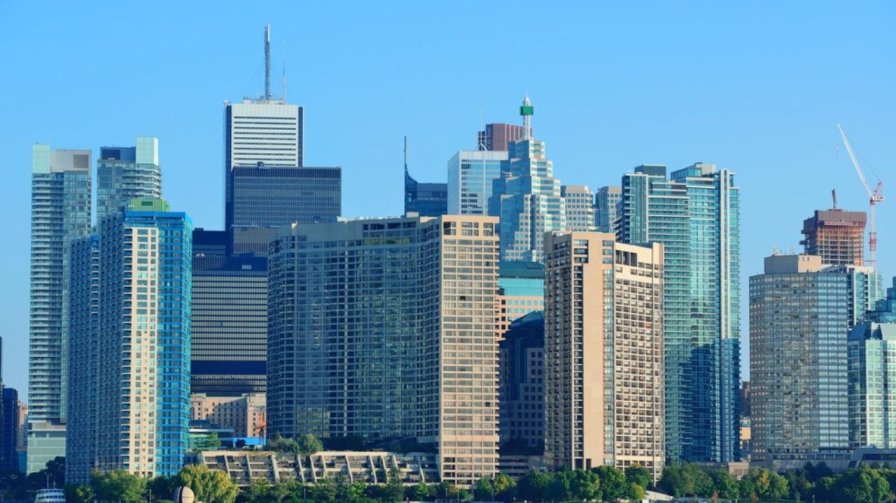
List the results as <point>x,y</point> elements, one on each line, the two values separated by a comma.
<point>60,213</point>
<point>526,197</point>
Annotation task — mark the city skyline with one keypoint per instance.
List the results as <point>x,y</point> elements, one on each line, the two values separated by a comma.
<point>593,136</point>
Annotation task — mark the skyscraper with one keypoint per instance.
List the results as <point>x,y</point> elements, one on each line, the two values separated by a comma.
<point>423,198</point>
<point>498,137</point>
<point>126,173</point>
<point>229,323</point>
<point>579,208</point>
<point>798,368</point>
<point>265,198</point>
<point>871,363</point>
<point>521,287</point>
<point>522,384</point>
<point>385,328</point>
<point>526,197</point>
<point>131,344</point>
<point>605,208</point>
<point>836,235</point>
<point>695,215</point>
<point>60,213</point>
<point>603,346</point>
<point>471,174</point>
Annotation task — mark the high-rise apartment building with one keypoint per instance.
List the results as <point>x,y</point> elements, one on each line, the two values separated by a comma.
<point>603,345</point>
<point>130,344</point>
<point>606,203</point>
<point>695,215</point>
<point>229,323</point>
<point>526,197</point>
<point>579,208</point>
<point>837,236</point>
<point>471,174</point>
<point>385,328</point>
<point>871,350</point>
<point>498,137</point>
<point>798,367</point>
<point>263,199</point>
<point>126,173</point>
<point>522,385</point>
<point>60,213</point>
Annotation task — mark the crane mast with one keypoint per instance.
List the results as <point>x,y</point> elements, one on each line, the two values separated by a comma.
<point>874,197</point>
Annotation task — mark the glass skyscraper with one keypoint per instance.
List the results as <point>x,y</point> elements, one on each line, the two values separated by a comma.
<point>131,344</point>
<point>60,213</point>
<point>471,174</point>
<point>606,203</point>
<point>579,208</point>
<point>526,197</point>
<point>798,368</point>
<point>385,329</point>
<point>126,173</point>
<point>695,214</point>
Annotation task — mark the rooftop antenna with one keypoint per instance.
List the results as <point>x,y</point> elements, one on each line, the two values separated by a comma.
<point>283,83</point>
<point>267,62</point>
<point>405,154</point>
<point>834,197</point>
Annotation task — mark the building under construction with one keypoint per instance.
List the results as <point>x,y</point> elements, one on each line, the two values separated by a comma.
<point>836,235</point>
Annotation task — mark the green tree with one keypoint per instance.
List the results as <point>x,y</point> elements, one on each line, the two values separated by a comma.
<point>207,442</point>
<point>612,483</point>
<point>724,485</point>
<point>421,492</point>
<point>533,486</point>
<point>118,485</point>
<point>584,485</point>
<point>484,489</point>
<point>636,492</point>
<point>209,486</point>
<point>285,445</point>
<point>505,487</point>
<point>81,493</point>
<point>863,485</point>
<point>324,490</point>
<point>761,484</point>
<point>639,475</point>
<point>257,492</point>
<point>308,444</point>
<point>394,490</point>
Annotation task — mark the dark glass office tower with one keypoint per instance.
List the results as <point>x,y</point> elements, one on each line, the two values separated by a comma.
<point>263,199</point>
<point>426,199</point>
<point>229,321</point>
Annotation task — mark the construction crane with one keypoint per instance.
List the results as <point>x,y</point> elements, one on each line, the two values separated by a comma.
<point>874,197</point>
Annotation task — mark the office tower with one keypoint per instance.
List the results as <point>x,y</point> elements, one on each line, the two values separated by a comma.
<point>470,178</point>
<point>424,199</point>
<point>264,198</point>
<point>695,215</point>
<point>229,323</point>
<point>522,385</point>
<point>521,286</point>
<point>603,345</point>
<point>260,132</point>
<point>385,329</point>
<point>498,137</point>
<point>9,429</point>
<point>606,212</point>
<point>579,208</point>
<point>60,213</point>
<point>798,327</point>
<point>526,197</point>
<point>871,363</point>
<point>836,235</point>
<point>126,173</point>
<point>130,340</point>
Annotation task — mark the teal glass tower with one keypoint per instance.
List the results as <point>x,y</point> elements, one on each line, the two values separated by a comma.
<point>695,214</point>
<point>526,197</point>
<point>130,344</point>
<point>126,173</point>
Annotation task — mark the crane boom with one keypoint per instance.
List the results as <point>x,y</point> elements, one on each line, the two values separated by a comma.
<point>855,162</point>
<point>874,197</point>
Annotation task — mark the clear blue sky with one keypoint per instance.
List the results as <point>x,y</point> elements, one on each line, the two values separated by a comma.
<point>752,86</point>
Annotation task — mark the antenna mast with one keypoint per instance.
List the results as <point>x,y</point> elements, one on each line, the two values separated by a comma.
<point>405,154</point>
<point>267,62</point>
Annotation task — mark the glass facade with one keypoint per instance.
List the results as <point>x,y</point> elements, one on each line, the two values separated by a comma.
<point>606,211</point>
<point>522,288</point>
<point>470,178</point>
<point>798,360</point>
<point>425,199</point>
<point>695,215</point>
<point>522,385</point>
<point>385,329</point>
<point>579,208</point>
<point>131,344</point>
<point>126,173</point>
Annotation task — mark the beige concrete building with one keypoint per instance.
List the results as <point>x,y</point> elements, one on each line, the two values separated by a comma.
<point>385,328</point>
<point>604,398</point>
<point>245,414</point>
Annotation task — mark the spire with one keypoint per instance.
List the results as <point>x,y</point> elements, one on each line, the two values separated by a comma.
<point>267,62</point>
<point>405,155</point>
<point>527,110</point>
